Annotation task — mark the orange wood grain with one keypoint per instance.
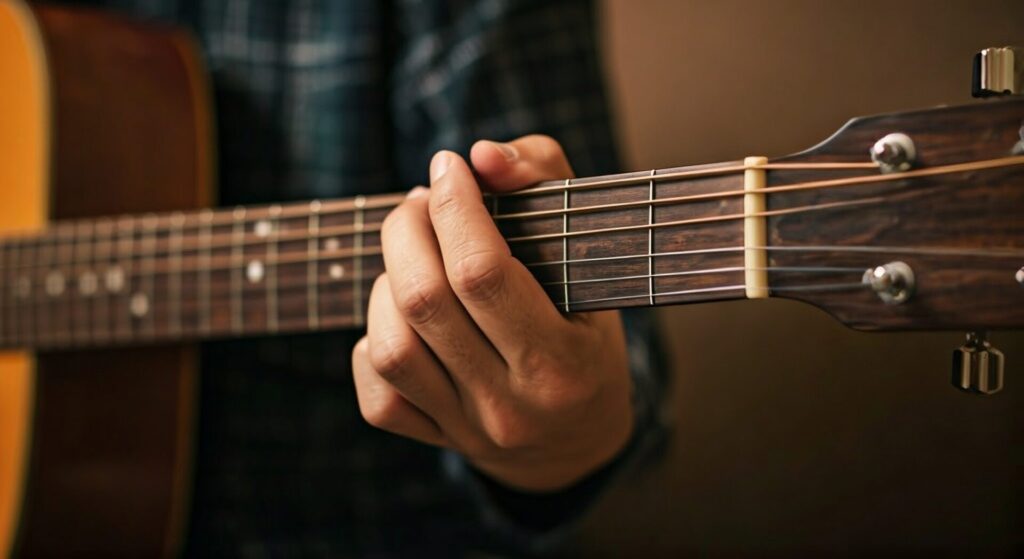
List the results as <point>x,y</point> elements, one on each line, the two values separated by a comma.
<point>24,165</point>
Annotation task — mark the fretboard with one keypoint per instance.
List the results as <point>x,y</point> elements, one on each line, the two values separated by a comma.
<point>656,237</point>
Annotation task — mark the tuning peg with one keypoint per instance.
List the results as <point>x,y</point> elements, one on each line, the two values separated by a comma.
<point>977,366</point>
<point>998,71</point>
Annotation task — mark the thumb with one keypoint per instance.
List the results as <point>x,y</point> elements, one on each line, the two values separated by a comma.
<point>503,167</point>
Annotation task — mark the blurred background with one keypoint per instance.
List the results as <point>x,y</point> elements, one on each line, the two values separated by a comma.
<point>793,435</point>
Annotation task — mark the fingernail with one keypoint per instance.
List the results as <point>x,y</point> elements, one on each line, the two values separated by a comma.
<point>439,165</point>
<point>418,192</point>
<point>509,151</point>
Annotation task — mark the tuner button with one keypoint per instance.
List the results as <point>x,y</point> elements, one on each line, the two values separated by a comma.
<point>998,71</point>
<point>977,366</point>
<point>894,153</point>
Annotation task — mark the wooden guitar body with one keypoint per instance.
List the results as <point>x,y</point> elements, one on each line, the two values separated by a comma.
<point>105,116</point>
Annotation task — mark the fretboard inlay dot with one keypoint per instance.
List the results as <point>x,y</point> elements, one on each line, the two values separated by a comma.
<point>262,228</point>
<point>88,284</point>
<point>54,284</point>
<point>254,271</point>
<point>336,271</point>
<point>139,305</point>
<point>114,279</point>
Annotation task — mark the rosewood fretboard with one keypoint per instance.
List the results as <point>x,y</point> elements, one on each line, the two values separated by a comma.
<point>603,242</point>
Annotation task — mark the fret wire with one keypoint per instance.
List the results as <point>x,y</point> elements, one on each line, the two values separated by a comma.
<point>80,327</point>
<point>11,290</point>
<point>312,269</point>
<point>142,303</point>
<point>272,311</point>
<point>565,243</point>
<point>8,288</point>
<point>357,286</point>
<point>101,263</point>
<point>206,231</point>
<point>650,240</point>
<point>174,280</point>
<point>237,257</point>
<point>120,280</point>
<point>65,236</point>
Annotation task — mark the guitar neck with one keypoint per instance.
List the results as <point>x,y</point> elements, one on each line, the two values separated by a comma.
<point>669,236</point>
<point>594,243</point>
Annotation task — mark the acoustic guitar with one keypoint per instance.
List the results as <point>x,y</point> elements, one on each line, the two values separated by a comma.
<point>113,267</point>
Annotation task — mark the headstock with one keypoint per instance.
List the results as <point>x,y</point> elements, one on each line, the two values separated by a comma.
<point>933,240</point>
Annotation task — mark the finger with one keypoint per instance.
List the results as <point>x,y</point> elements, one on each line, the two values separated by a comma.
<point>421,293</point>
<point>383,407</point>
<point>523,162</point>
<point>498,292</point>
<point>399,357</point>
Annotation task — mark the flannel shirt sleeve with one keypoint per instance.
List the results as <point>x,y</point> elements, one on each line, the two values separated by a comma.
<point>499,69</point>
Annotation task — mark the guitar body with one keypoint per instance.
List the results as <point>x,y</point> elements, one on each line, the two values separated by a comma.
<point>105,117</point>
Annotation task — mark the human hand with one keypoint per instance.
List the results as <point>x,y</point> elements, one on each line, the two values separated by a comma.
<point>465,350</point>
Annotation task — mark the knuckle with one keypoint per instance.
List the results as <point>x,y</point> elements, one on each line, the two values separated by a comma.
<point>478,277</point>
<point>390,357</point>
<point>507,433</point>
<point>381,410</point>
<point>420,299</point>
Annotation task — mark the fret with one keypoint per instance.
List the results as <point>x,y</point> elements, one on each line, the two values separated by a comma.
<point>45,317</point>
<point>7,310</point>
<point>565,245</point>
<point>274,214</point>
<point>143,302</point>
<point>650,239</point>
<point>84,279</point>
<point>237,265</point>
<point>26,312</point>
<point>120,279</point>
<point>312,268</point>
<point>205,235</point>
<point>357,261</point>
<point>58,279</point>
<point>103,262</point>
<point>174,280</point>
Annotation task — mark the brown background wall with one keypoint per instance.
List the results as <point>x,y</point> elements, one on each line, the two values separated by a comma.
<point>793,434</point>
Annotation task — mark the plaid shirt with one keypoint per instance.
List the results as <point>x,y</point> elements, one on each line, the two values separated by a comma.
<point>331,98</point>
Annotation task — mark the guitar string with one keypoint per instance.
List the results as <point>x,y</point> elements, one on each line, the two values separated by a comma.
<point>75,263</point>
<point>71,331</point>
<point>71,328</point>
<point>916,251</point>
<point>290,282</point>
<point>231,216</point>
<point>68,230</point>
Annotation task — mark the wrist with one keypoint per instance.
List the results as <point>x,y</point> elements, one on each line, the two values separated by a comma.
<point>568,459</point>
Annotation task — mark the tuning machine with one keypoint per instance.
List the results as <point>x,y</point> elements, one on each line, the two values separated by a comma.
<point>998,71</point>
<point>977,366</point>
